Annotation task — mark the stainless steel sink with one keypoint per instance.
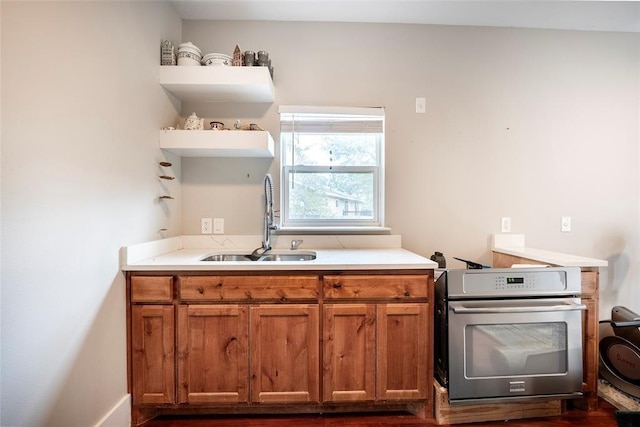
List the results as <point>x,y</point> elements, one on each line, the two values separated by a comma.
<point>227,257</point>
<point>269,256</point>
<point>290,256</point>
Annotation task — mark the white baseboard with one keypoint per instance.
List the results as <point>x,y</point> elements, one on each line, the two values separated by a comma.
<point>119,415</point>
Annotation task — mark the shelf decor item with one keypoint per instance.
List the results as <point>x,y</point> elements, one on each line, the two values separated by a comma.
<point>167,53</point>
<point>193,122</point>
<point>216,59</point>
<point>237,57</point>
<point>189,54</point>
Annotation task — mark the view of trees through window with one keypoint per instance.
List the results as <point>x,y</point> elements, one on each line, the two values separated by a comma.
<point>331,176</point>
<point>329,196</point>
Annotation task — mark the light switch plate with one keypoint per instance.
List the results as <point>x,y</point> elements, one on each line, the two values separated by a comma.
<point>218,225</point>
<point>505,224</point>
<point>565,224</point>
<point>421,105</point>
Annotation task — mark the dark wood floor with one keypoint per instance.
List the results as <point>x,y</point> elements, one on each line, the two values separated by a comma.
<point>603,417</point>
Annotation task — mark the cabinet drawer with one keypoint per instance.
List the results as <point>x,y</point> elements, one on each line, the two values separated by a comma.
<point>224,288</point>
<point>398,286</point>
<point>151,289</point>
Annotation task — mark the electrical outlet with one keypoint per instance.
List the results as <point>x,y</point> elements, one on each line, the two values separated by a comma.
<point>218,225</point>
<point>505,224</point>
<point>205,225</point>
<point>565,224</point>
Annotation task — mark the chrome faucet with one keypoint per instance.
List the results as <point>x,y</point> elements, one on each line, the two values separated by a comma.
<point>268,214</point>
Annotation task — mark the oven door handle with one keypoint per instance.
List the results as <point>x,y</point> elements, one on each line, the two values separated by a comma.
<point>531,309</point>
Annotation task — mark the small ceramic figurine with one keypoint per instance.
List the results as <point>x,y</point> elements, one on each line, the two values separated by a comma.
<point>194,123</point>
<point>168,54</point>
<point>237,57</point>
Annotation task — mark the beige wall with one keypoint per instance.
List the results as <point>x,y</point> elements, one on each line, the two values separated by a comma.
<point>80,112</point>
<point>531,124</point>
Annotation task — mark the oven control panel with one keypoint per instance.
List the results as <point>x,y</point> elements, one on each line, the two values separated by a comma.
<point>514,281</point>
<point>518,281</point>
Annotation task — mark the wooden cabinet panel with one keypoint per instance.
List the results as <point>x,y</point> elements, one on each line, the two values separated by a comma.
<point>402,351</point>
<point>284,353</point>
<point>213,357</point>
<point>231,288</point>
<point>589,279</point>
<point>376,286</point>
<point>151,289</point>
<point>152,347</point>
<point>590,325</point>
<point>349,358</point>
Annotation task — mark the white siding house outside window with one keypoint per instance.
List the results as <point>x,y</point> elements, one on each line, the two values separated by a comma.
<point>332,174</point>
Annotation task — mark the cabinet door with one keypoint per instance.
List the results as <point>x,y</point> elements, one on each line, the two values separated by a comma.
<point>152,345</point>
<point>349,358</point>
<point>213,358</point>
<point>284,353</point>
<point>402,351</point>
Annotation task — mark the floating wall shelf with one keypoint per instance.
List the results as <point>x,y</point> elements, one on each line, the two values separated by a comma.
<point>218,84</point>
<point>217,143</point>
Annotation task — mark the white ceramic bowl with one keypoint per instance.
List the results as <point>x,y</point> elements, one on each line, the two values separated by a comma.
<point>217,59</point>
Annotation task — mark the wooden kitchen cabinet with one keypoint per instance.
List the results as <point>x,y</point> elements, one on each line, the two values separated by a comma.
<point>402,352</point>
<point>152,341</point>
<point>213,353</point>
<point>284,353</point>
<point>349,359</point>
<point>152,348</point>
<point>214,339</point>
<point>219,288</point>
<point>378,350</point>
<point>223,342</point>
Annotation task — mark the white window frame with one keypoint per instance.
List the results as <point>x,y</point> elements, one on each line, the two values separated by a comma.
<point>375,223</point>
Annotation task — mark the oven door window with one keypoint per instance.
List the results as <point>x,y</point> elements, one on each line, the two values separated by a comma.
<point>515,349</point>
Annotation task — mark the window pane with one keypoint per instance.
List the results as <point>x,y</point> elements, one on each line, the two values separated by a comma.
<point>332,161</point>
<point>331,196</point>
<point>347,149</point>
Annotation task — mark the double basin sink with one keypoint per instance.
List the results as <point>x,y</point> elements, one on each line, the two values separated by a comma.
<point>275,256</point>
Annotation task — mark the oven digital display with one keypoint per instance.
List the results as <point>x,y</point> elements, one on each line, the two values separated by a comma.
<point>515,280</point>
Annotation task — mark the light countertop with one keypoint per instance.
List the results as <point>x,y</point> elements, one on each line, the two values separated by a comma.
<point>332,253</point>
<point>513,244</point>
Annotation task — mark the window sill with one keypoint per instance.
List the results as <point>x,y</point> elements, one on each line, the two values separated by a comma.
<point>333,230</point>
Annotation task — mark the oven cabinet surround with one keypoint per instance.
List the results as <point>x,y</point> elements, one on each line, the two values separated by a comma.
<point>279,341</point>
<point>506,257</point>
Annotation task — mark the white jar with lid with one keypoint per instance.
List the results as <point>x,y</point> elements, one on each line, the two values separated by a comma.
<point>189,54</point>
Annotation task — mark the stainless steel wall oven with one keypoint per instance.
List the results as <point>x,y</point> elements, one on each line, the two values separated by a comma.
<point>509,334</point>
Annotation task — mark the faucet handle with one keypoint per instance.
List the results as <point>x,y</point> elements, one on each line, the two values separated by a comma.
<point>295,244</point>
